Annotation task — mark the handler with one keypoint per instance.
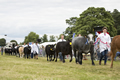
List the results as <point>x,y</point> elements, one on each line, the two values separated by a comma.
<point>104,45</point>
<point>36,50</point>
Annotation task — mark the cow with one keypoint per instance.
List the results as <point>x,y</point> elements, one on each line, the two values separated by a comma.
<point>8,51</point>
<point>27,51</point>
<point>50,50</point>
<point>115,46</point>
<point>64,47</point>
<point>21,52</point>
<point>83,45</point>
<point>13,51</point>
<point>17,51</point>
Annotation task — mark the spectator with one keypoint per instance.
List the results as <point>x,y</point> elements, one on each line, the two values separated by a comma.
<point>79,35</point>
<point>98,52</point>
<point>32,49</point>
<point>105,40</point>
<point>24,45</point>
<point>43,51</point>
<point>117,53</point>
<point>1,50</point>
<point>60,53</point>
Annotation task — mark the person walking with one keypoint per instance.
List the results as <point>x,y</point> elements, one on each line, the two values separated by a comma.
<point>104,45</point>
<point>36,50</point>
<point>60,53</point>
<point>32,49</point>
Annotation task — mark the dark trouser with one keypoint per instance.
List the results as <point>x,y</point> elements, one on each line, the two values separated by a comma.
<point>1,52</point>
<point>60,55</point>
<point>118,53</point>
<point>98,54</point>
<point>104,54</point>
<point>32,55</point>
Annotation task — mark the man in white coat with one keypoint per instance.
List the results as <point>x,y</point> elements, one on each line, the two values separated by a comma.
<point>60,40</point>
<point>32,49</point>
<point>24,45</point>
<point>36,50</point>
<point>104,45</point>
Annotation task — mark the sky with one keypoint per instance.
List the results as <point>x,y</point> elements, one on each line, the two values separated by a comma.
<point>19,17</point>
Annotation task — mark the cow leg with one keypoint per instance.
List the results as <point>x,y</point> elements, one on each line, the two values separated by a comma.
<point>71,57</point>
<point>92,57</point>
<point>47,57</point>
<point>50,57</point>
<point>75,56</point>
<point>25,56</point>
<point>92,54</point>
<point>63,57</point>
<point>113,53</point>
<point>56,56</point>
<point>20,55</point>
<point>80,57</point>
<point>16,53</point>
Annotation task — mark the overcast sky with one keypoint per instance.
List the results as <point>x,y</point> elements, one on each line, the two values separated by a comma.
<point>19,17</point>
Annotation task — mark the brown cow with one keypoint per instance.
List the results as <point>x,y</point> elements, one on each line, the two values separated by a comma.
<point>115,46</point>
<point>21,52</point>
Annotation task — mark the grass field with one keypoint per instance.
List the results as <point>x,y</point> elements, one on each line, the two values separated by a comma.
<point>14,68</point>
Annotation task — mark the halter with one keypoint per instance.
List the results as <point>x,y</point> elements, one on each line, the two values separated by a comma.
<point>101,42</point>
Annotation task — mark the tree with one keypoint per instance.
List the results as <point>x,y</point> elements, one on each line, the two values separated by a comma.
<point>93,17</point>
<point>69,30</point>
<point>52,38</point>
<point>2,42</point>
<point>44,38</point>
<point>116,16</point>
<point>32,37</point>
<point>14,41</point>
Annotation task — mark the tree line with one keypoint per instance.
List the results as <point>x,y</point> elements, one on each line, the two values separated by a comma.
<point>91,18</point>
<point>84,24</point>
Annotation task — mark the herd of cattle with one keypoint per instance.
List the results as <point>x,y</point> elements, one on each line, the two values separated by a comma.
<point>79,45</point>
<point>19,51</point>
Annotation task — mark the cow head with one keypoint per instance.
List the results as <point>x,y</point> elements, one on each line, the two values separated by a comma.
<point>90,38</point>
<point>70,42</point>
<point>52,47</point>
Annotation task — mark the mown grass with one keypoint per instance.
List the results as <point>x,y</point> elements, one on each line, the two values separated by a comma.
<point>14,68</point>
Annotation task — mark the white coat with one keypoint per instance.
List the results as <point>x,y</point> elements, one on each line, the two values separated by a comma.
<point>104,38</point>
<point>60,40</point>
<point>32,48</point>
<point>35,48</point>
<point>24,45</point>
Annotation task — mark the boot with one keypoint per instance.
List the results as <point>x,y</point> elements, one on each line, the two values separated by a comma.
<point>99,62</point>
<point>36,56</point>
<point>104,63</point>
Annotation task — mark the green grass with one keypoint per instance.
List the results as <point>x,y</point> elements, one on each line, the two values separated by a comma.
<point>14,68</point>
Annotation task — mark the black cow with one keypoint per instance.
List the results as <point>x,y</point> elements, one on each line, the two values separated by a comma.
<point>83,45</point>
<point>17,51</point>
<point>50,50</point>
<point>64,47</point>
<point>27,51</point>
<point>13,51</point>
<point>8,51</point>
